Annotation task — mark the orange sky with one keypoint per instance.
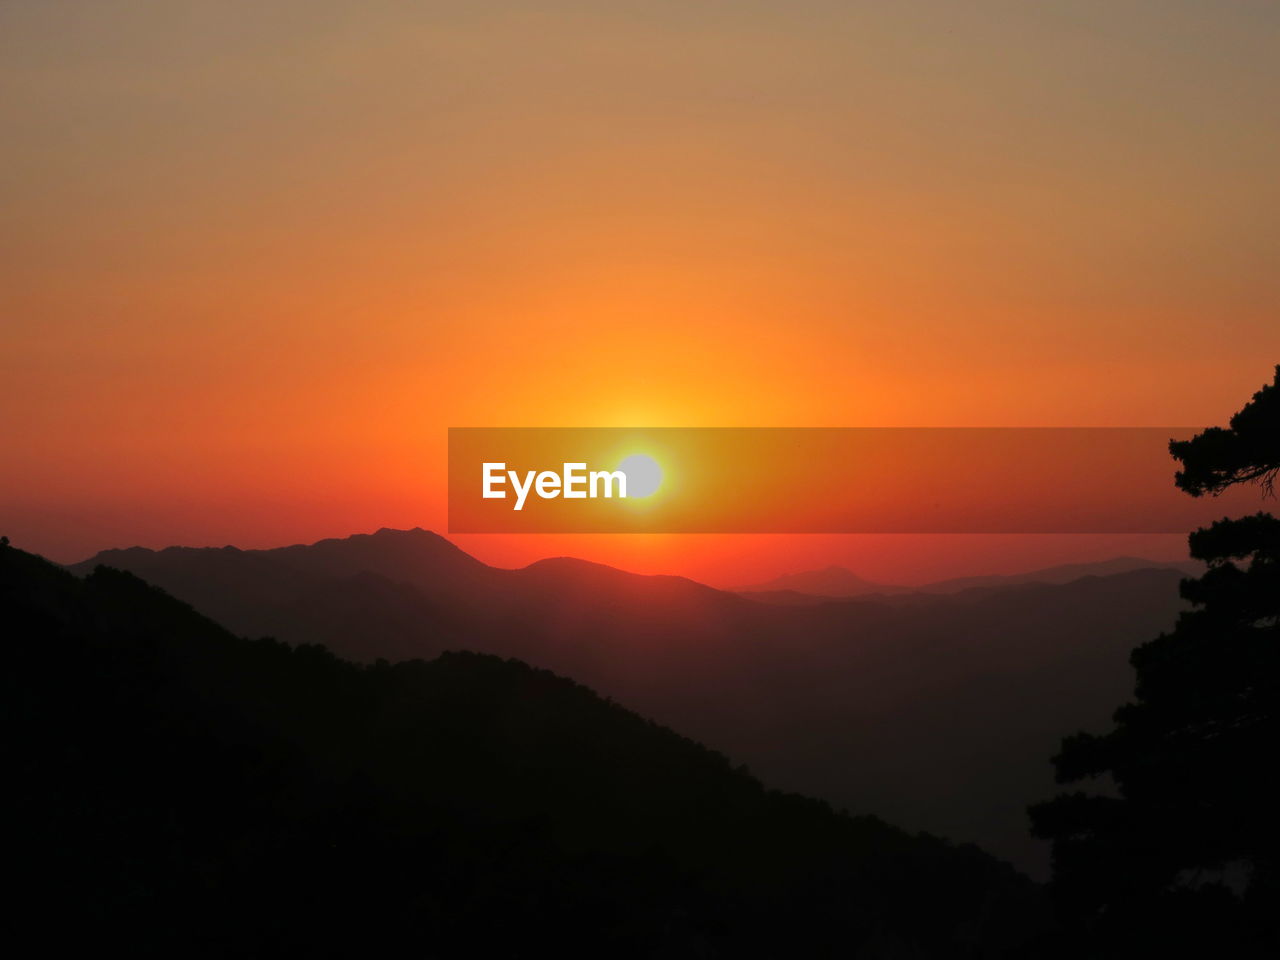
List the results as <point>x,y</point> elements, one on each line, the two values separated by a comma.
<point>254,262</point>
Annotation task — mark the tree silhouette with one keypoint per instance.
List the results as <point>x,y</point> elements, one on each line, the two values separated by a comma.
<point>1249,450</point>
<point>1184,848</point>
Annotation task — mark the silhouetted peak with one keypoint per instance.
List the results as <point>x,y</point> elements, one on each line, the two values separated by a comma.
<point>388,536</point>
<point>568,571</point>
<point>395,533</point>
<point>124,556</point>
<point>120,554</point>
<point>574,564</point>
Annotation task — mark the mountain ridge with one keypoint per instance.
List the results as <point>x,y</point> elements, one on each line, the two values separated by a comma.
<point>251,797</point>
<point>838,582</point>
<point>788,585</point>
<point>942,708</point>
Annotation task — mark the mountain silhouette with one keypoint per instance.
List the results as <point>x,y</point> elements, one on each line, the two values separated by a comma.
<point>935,711</point>
<point>181,791</point>
<point>841,583</point>
<point>1063,573</point>
<point>832,581</point>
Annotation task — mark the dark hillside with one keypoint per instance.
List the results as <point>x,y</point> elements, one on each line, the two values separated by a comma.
<point>186,792</point>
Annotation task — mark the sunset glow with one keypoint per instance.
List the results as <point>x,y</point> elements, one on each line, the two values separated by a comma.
<point>253,273</point>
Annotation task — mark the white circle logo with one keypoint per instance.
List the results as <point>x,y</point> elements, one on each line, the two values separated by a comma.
<point>644,476</point>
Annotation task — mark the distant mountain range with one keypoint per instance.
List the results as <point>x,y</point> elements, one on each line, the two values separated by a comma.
<point>842,583</point>
<point>186,792</point>
<point>833,581</point>
<point>938,711</point>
